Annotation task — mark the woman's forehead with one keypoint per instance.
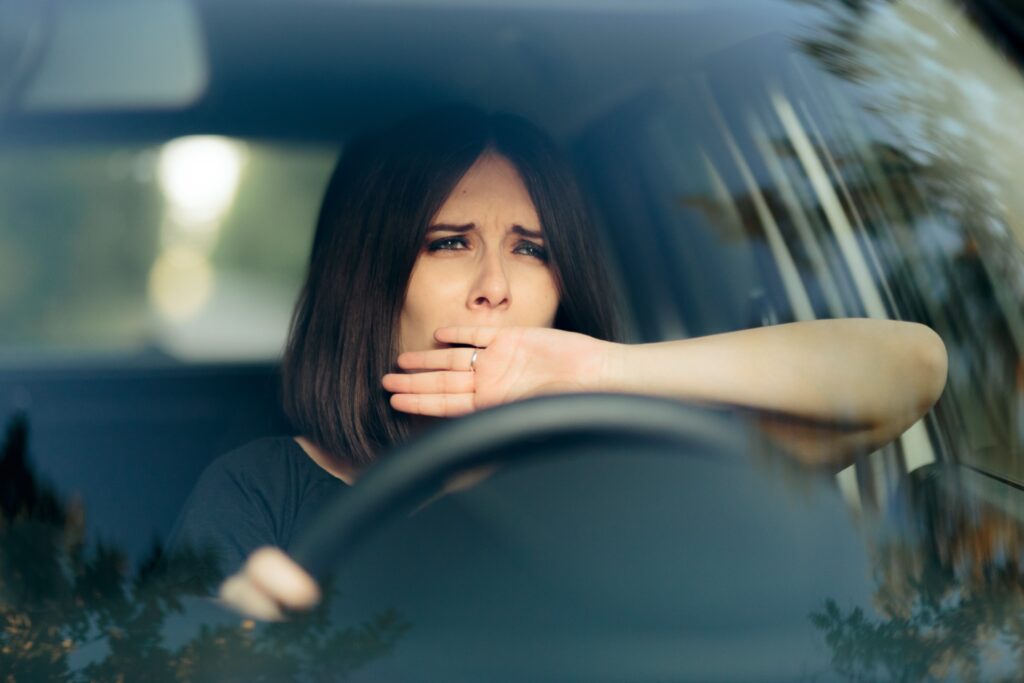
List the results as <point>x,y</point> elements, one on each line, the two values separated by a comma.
<point>490,193</point>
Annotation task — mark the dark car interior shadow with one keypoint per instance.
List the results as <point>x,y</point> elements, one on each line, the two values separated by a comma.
<point>128,441</point>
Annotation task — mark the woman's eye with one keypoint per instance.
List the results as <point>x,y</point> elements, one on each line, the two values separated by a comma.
<point>448,244</point>
<point>531,249</point>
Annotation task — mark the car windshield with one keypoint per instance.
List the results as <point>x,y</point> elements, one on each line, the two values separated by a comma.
<point>748,164</point>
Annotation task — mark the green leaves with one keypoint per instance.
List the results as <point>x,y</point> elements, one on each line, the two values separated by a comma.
<point>71,611</point>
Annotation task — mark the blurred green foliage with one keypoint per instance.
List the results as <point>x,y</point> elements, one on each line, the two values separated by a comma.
<point>77,237</point>
<point>269,229</point>
<point>80,229</point>
<point>61,594</point>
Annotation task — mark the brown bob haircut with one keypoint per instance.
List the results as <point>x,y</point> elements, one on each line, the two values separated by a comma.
<point>386,188</point>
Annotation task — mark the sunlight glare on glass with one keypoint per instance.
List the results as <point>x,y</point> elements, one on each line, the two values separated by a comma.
<point>180,283</point>
<point>199,176</point>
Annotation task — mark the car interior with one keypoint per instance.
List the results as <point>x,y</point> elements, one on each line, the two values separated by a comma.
<point>748,163</point>
<point>151,424</point>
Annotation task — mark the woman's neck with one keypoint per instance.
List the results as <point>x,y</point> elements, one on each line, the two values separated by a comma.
<point>345,471</point>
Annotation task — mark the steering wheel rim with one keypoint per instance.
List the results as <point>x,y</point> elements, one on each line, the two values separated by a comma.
<point>415,469</point>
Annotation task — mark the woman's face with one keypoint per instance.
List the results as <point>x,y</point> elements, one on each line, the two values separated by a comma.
<point>483,262</point>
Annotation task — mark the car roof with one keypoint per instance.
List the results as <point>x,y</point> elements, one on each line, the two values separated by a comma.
<point>315,70</point>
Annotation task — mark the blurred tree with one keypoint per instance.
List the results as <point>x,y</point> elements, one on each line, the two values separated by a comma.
<point>66,217</point>
<point>269,230</point>
<point>59,595</point>
<point>927,109</point>
<point>950,596</point>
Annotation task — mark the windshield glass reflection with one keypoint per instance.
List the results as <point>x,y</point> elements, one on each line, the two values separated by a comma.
<point>74,608</point>
<point>928,144</point>
<point>865,164</point>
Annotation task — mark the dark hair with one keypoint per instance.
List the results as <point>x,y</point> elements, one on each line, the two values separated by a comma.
<point>385,189</point>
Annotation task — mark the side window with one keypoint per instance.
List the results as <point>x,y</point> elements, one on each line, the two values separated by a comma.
<point>191,251</point>
<point>145,294</point>
<point>931,166</point>
<point>864,167</point>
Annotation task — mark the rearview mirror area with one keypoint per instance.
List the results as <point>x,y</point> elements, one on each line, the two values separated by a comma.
<point>102,55</point>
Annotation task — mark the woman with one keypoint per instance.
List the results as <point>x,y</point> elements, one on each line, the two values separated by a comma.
<point>453,269</point>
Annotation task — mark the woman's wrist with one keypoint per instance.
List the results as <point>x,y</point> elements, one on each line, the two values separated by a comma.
<point>612,376</point>
<point>657,369</point>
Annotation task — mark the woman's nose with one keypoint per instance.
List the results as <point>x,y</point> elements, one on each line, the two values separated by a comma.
<point>491,287</point>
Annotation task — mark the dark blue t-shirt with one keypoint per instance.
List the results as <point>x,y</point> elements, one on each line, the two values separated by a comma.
<point>263,493</point>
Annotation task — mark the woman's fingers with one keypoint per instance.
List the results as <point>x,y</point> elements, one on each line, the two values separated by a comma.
<point>439,394</point>
<point>281,578</point>
<point>430,383</point>
<point>438,359</point>
<point>240,594</point>
<point>435,405</point>
<point>269,581</point>
<point>474,336</point>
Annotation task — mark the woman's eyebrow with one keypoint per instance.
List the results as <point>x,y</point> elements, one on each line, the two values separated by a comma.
<point>445,227</point>
<point>517,229</point>
<point>526,232</point>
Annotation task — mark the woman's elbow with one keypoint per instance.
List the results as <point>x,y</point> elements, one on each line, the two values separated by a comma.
<point>931,367</point>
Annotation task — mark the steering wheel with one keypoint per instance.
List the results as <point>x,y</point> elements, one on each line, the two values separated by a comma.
<point>538,428</point>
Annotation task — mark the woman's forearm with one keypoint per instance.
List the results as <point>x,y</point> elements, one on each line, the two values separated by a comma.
<point>878,375</point>
<point>827,390</point>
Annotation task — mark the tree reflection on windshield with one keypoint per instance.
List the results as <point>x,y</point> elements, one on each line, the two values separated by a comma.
<point>928,146</point>
<point>74,610</point>
<point>933,113</point>
<point>951,604</point>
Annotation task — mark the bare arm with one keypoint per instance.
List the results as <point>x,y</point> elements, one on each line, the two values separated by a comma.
<point>853,384</point>
<point>848,386</point>
<point>826,390</point>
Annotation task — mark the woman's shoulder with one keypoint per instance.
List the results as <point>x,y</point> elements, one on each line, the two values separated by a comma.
<point>272,473</point>
<point>268,450</point>
<point>252,496</point>
<point>269,457</point>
